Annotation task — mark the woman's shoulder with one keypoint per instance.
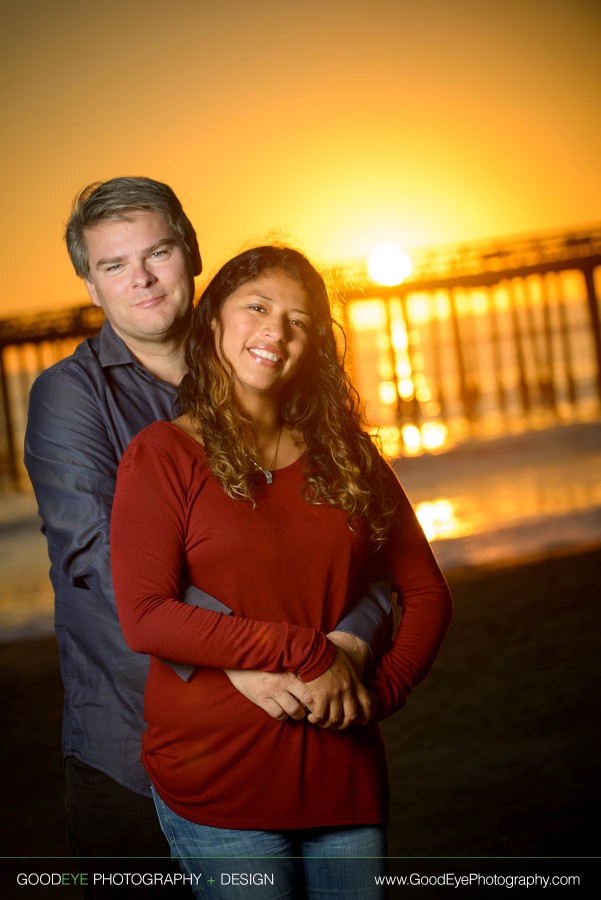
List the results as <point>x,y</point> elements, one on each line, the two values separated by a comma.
<point>163,455</point>
<point>168,438</point>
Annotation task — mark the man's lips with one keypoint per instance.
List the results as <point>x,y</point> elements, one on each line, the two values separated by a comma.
<point>149,302</point>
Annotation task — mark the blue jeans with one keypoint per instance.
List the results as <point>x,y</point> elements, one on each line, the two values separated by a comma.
<point>308,864</point>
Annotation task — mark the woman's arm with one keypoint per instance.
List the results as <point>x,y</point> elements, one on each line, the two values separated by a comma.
<point>148,540</point>
<point>426,611</point>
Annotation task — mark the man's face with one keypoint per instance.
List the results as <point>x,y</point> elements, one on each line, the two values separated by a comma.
<point>141,276</point>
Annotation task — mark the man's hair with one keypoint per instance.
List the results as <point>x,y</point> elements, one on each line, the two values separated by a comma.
<point>105,201</point>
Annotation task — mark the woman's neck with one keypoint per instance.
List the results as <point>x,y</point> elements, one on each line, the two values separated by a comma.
<point>265,412</point>
<point>277,445</point>
<point>269,435</point>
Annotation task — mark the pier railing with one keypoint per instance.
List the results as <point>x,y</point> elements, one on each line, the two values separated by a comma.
<point>484,263</point>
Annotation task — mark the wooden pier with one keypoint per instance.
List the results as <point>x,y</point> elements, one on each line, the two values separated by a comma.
<point>499,330</point>
<point>490,332</point>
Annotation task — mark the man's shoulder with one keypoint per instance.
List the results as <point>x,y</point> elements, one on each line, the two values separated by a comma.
<point>88,367</point>
<point>82,360</point>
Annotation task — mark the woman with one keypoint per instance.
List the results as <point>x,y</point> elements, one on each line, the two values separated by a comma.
<point>269,496</point>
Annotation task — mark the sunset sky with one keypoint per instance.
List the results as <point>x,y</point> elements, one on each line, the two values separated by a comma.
<point>338,125</point>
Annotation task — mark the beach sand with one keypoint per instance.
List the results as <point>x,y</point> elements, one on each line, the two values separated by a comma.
<point>496,754</point>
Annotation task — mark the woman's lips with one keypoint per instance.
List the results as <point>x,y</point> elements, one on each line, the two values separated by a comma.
<point>266,354</point>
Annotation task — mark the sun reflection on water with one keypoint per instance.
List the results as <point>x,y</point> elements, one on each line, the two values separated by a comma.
<point>440,519</point>
<point>411,440</point>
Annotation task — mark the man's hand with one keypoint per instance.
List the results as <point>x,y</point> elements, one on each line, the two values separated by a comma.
<point>281,694</point>
<point>356,649</point>
<point>339,698</point>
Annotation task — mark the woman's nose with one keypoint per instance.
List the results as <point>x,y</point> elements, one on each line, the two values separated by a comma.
<point>277,329</point>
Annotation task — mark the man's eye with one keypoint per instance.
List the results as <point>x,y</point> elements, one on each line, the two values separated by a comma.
<point>114,268</point>
<point>157,254</point>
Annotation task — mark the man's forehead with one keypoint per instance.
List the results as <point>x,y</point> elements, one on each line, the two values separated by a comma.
<point>144,227</point>
<point>143,218</point>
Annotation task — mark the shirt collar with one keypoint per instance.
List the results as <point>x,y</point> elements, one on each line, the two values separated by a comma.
<point>112,351</point>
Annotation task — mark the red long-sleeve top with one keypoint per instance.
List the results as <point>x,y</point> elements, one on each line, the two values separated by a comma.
<point>287,569</point>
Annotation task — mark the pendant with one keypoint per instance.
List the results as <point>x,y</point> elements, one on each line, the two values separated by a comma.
<point>266,472</point>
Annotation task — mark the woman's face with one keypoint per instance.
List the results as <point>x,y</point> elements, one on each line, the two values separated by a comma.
<point>265,331</point>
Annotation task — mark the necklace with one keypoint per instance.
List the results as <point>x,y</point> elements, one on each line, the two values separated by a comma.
<point>268,472</point>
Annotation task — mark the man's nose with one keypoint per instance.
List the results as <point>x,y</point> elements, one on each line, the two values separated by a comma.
<point>142,275</point>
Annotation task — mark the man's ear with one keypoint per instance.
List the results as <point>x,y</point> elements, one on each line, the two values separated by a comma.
<point>91,289</point>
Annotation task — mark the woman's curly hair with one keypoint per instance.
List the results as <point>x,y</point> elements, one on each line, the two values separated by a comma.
<point>342,466</point>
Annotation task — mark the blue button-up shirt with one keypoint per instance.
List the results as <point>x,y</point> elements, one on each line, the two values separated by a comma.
<point>83,412</point>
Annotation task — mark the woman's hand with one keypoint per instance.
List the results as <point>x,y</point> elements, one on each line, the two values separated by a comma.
<point>281,694</point>
<point>338,697</point>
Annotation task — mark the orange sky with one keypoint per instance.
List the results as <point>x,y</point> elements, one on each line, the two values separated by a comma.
<point>340,124</point>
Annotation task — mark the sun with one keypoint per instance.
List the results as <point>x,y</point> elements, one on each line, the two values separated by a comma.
<point>389,266</point>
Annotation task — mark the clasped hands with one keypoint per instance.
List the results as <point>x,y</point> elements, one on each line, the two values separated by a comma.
<point>335,699</point>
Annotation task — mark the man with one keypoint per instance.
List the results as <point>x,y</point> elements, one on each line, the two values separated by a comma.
<point>137,252</point>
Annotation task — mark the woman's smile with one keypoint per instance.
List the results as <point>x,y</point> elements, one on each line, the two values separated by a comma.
<point>266,355</point>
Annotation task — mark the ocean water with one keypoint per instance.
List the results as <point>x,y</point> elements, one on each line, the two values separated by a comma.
<point>484,502</point>
<point>502,500</point>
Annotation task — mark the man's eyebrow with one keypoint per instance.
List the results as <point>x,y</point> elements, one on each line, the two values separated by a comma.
<point>111,260</point>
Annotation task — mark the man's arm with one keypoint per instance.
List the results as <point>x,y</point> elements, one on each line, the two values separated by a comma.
<point>72,466</point>
<point>365,631</point>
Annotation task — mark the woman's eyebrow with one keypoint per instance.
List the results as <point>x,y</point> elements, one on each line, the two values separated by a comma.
<point>295,309</point>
